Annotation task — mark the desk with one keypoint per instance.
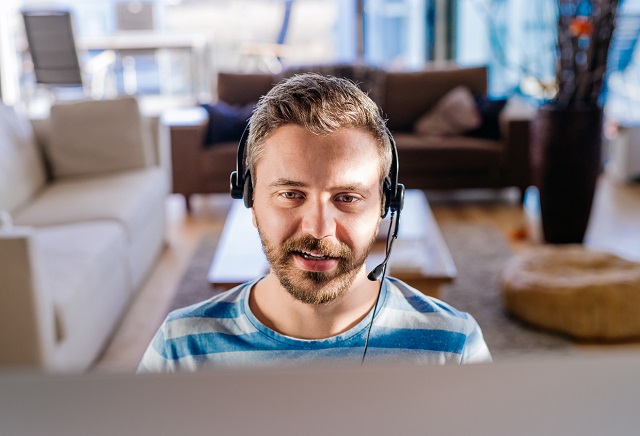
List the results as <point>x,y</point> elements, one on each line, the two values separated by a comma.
<point>420,256</point>
<point>197,45</point>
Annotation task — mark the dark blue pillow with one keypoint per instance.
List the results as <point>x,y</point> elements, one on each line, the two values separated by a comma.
<point>490,112</point>
<point>226,122</point>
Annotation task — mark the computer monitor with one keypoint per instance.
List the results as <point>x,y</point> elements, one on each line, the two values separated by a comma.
<point>576,395</point>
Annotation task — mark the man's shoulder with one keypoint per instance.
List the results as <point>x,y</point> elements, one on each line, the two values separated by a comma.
<point>403,296</point>
<point>227,304</point>
<point>428,323</point>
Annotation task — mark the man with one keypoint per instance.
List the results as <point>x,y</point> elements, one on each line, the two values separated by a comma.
<point>318,154</point>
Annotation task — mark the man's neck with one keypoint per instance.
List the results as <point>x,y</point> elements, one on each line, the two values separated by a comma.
<point>278,310</point>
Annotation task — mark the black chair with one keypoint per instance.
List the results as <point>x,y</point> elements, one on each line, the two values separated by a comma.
<point>54,55</point>
<point>52,47</point>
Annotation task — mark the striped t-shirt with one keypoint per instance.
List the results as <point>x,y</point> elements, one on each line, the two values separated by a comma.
<point>223,332</point>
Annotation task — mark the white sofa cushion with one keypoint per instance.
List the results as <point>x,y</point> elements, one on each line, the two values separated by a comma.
<point>86,270</point>
<point>120,196</point>
<point>22,172</point>
<point>99,136</point>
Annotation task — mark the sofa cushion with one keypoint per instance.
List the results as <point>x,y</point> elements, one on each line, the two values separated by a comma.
<point>226,122</point>
<point>22,171</point>
<point>242,89</point>
<point>99,136</point>
<point>490,110</point>
<point>86,271</point>
<point>122,197</point>
<point>409,95</point>
<point>454,114</point>
<point>446,153</point>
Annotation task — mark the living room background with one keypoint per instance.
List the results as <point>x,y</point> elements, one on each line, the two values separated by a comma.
<point>474,179</point>
<point>514,38</point>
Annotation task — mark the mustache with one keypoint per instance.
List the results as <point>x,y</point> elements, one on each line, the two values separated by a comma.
<point>309,243</point>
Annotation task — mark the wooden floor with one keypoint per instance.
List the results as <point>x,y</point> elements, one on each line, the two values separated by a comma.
<point>614,225</point>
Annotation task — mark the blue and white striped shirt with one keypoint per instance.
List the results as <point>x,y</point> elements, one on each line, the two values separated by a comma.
<point>222,332</point>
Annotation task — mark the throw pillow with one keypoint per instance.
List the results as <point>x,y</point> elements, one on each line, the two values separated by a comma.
<point>98,136</point>
<point>226,122</point>
<point>489,110</point>
<point>455,113</point>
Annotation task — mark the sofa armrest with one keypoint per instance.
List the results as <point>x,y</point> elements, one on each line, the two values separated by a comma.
<point>515,121</point>
<point>187,129</point>
<point>27,322</point>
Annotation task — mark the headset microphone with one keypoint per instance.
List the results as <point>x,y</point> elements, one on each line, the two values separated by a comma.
<point>378,271</point>
<point>375,273</point>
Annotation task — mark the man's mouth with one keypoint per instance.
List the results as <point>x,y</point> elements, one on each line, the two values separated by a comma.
<point>311,256</point>
<point>318,262</point>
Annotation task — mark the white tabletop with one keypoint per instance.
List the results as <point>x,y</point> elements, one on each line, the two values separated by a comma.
<point>143,40</point>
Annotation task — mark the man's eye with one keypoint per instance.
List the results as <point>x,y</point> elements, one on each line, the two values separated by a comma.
<point>347,199</point>
<point>289,195</point>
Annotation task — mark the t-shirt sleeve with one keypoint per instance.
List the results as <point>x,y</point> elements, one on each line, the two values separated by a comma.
<point>475,348</point>
<point>155,358</point>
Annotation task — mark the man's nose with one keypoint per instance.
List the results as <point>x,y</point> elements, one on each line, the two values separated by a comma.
<point>318,219</point>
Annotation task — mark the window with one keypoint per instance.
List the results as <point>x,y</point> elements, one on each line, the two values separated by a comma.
<point>397,33</point>
<point>514,38</point>
<point>623,64</point>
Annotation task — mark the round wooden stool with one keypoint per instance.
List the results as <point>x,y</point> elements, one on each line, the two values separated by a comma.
<point>570,289</point>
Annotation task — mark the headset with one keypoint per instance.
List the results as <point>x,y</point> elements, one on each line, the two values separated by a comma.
<point>392,191</point>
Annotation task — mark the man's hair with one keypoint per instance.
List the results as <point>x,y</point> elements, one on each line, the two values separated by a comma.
<point>321,105</point>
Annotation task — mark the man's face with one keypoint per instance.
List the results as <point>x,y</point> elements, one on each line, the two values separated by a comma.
<point>317,208</point>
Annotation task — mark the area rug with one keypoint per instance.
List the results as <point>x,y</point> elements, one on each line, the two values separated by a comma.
<point>479,252</point>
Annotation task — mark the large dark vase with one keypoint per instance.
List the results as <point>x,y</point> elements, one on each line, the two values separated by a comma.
<point>565,157</point>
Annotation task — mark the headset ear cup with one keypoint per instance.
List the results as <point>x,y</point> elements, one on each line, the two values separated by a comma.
<point>397,202</point>
<point>247,191</point>
<point>236,190</point>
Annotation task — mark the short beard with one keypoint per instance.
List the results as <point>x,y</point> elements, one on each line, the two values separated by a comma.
<point>313,287</point>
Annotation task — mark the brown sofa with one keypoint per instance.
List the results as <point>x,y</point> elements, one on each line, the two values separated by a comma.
<point>426,162</point>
